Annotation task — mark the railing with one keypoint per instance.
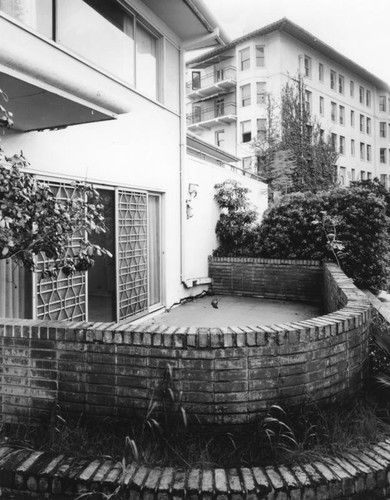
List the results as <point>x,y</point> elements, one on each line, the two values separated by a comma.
<point>220,75</point>
<point>220,109</point>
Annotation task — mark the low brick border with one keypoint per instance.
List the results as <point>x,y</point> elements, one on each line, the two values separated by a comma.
<point>227,375</point>
<point>34,474</point>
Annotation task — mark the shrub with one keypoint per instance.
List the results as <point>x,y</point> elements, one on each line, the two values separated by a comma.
<point>287,231</point>
<point>236,224</point>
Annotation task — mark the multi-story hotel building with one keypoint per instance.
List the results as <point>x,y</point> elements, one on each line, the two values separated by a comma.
<point>227,89</point>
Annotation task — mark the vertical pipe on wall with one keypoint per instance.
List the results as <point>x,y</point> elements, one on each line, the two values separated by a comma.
<point>2,288</point>
<point>183,134</point>
<point>22,292</point>
<point>8,288</point>
<point>15,270</point>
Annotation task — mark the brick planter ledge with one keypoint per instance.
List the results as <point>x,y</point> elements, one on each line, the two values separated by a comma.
<point>227,375</point>
<point>32,474</point>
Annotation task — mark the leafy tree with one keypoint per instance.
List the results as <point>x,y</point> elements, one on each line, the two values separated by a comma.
<point>293,154</point>
<point>34,220</point>
<point>235,227</point>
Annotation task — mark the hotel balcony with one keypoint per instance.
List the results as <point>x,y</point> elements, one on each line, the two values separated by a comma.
<point>221,81</point>
<point>209,117</point>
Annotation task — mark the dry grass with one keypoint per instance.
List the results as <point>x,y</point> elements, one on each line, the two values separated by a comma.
<point>307,433</point>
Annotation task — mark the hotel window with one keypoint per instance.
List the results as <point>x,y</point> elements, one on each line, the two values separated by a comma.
<point>322,134</point>
<point>352,88</point>
<point>352,147</point>
<point>361,95</point>
<point>368,152</point>
<point>246,95</point>
<point>332,79</point>
<point>322,106</point>
<point>368,98</point>
<point>384,180</point>
<point>308,101</point>
<point>342,145</point>
<point>342,176</point>
<point>219,138</point>
<point>219,106</point>
<point>196,113</point>
<point>382,129</point>
<point>246,134</point>
<point>382,103</point>
<point>261,93</point>
<point>382,155</point>
<point>362,151</point>
<point>320,72</point>
<point>369,176</point>
<point>260,57</point>
<point>333,139</point>
<point>341,115</point>
<point>362,123</point>
<point>245,61</point>
<point>341,84</point>
<point>362,175</point>
<point>196,78</point>
<point>368,126</point>
<point>352,118</point>
<point>261,128</point>
<point>307,63</point>
<point>333,111</point>
<point>353,174</point>
<point>247,163</point>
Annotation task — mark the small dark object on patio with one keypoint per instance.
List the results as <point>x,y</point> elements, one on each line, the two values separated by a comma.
<point>214,303</point>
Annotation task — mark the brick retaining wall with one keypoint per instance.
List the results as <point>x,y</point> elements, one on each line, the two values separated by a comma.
<point>228,375</point>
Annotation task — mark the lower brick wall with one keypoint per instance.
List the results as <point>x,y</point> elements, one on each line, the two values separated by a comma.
<point>268,278</point>
<point>227,375</point>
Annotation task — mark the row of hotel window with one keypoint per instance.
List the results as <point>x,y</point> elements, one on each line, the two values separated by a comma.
<point>245,57</point>
<point>246,132</point>
<point>342,175</point>
<point>337,82</point>
<point>365,122</point>
<point>365,149</point>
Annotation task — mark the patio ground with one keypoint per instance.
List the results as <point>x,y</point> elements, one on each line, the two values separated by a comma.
<point>235,311</point>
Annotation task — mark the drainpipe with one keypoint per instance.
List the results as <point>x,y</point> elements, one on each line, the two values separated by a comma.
<point>183,130</point>
<point>198,43</point>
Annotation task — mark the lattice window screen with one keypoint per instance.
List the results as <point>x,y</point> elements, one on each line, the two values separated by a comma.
<point>132,254</point>
<point>62,298</point>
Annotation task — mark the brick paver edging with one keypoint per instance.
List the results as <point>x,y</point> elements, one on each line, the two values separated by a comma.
<point>35,474</point>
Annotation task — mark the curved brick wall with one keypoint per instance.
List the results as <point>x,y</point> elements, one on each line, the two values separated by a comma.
<point>227,375</point>
<point>34,474</point>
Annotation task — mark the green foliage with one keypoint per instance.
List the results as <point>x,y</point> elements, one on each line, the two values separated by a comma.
<point>6,117</point>
<point>34,220</point>
<point>235,227</point>
<point>287,231</point>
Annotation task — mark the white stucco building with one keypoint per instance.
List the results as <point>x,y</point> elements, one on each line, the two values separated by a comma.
<point>227,88</point>
<point>97,92</point>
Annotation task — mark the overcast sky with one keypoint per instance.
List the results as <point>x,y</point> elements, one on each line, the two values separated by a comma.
<point>359,29</point>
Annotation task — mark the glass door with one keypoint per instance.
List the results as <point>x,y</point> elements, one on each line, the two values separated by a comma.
<point>101,277</point>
